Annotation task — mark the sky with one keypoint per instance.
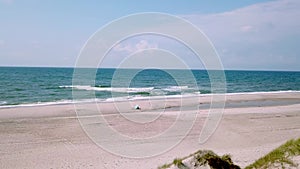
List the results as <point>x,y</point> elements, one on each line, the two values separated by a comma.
<point>247,34</point>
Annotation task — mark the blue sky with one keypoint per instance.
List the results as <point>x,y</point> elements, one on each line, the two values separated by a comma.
<point>248,34</point>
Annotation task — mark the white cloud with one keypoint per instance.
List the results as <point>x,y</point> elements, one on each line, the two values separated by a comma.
<point>143,44</point>
<point>130,47</point>
<point>254,37</point>
<point>119,48</point>
<point>251,35</point>
<point>276,17</point>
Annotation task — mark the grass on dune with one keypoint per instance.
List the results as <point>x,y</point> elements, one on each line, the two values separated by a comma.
<point>201,158</point>
<point>280,155</point>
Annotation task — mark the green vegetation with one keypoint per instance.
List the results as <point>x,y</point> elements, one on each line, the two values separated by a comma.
<point>165,166</point>
<point>280,155</point>
<point>278,158</point>
<point>177,162</point>
<point>202,158</point>
<point>214,161</point>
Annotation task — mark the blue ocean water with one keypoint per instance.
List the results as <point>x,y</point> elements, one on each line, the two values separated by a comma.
<point>28,86</point>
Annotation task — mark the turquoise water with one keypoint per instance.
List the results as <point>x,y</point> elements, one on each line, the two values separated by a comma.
<point>24,85</point>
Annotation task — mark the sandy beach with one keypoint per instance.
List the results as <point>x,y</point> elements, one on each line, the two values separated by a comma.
<point>52,137</point>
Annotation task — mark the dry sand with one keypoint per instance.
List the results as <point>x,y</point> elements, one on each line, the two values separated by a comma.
<point>52,136</point>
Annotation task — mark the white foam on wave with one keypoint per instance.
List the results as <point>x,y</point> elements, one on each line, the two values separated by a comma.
<point>165,96</point>
<point>112,89</point>
<point>3,102</point>
<point>176,88</point>
<point>114,99</point>
<point>38,104</point>
<point>131,89</point>
<point>267,92</point>
<point>60,102</point>
<point>136,97</point>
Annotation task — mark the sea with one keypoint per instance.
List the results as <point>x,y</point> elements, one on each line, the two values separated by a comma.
<point>33,86</point>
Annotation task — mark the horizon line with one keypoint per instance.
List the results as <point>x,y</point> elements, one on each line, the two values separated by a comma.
<point>69,67</point>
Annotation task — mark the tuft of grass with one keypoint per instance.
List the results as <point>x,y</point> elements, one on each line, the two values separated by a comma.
<point>280,155</point>
<point>202,158</point>
<point>177,162</point>
<point>165,166</point>
<point>214,161</point>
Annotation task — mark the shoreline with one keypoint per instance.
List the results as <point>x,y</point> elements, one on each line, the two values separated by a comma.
<point>137,98</point>
<point>52,137</point>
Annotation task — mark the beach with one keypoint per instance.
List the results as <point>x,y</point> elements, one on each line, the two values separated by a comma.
<point>149,84</point>
<point>51,136</point>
